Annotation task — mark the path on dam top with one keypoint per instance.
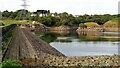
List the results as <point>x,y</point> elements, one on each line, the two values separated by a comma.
<point>25,45</point>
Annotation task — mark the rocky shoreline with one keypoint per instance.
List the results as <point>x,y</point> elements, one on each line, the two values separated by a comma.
<point>78,29</point>
<point>76,61</point>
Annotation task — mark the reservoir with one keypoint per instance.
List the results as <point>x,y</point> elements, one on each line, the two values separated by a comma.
<point>72,43</point>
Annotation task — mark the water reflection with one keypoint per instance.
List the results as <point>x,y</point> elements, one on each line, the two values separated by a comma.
<point>49,37</point>
<point>72,43</point>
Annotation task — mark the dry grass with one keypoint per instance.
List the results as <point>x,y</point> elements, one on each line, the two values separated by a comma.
<point>91,24</point>
<point>111,24</point>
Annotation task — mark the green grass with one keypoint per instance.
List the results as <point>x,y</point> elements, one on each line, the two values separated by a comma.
<point>8,22</point>
<point>1,26</point>
<point>10,64</point>
<point>115,19</point>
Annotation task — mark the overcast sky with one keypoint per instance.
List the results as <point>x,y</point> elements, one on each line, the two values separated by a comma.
<point>75,7</point>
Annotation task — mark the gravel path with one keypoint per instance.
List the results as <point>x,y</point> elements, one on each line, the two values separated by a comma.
<point>19,47</point>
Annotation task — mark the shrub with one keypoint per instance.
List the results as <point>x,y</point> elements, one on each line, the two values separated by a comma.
<point>82,25</point>
<point>10,64</point>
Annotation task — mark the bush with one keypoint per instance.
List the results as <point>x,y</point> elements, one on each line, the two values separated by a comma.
<point>10,64</point>
<point>82,25</point>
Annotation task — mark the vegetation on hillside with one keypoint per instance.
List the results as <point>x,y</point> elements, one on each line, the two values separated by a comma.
<point>112,23</point>
<point>57,19</point>
<point>115,20</point>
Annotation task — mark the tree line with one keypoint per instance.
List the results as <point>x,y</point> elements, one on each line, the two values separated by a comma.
<point>56,19</point>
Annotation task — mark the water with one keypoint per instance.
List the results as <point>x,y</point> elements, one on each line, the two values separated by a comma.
<point>83,43</point>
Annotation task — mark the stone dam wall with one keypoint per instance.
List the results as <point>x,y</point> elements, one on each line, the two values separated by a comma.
<point>25,45</point>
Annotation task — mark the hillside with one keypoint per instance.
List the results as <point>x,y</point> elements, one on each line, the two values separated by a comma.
<point>112,23</point>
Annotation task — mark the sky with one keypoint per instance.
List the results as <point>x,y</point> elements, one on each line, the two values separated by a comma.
<point>75,7</point>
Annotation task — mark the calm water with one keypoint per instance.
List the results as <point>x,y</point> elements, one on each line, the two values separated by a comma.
<point>84,43</point>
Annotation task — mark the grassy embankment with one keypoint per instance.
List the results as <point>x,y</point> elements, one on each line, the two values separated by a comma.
<point>8,22</point>
<point>114,23</point>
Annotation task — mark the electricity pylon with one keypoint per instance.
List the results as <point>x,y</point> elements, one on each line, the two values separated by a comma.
<point>24,5</point>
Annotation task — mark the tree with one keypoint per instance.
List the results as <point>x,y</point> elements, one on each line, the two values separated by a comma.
<point>22,14</point>
<point>82,25</point>
<point>6,14</point>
